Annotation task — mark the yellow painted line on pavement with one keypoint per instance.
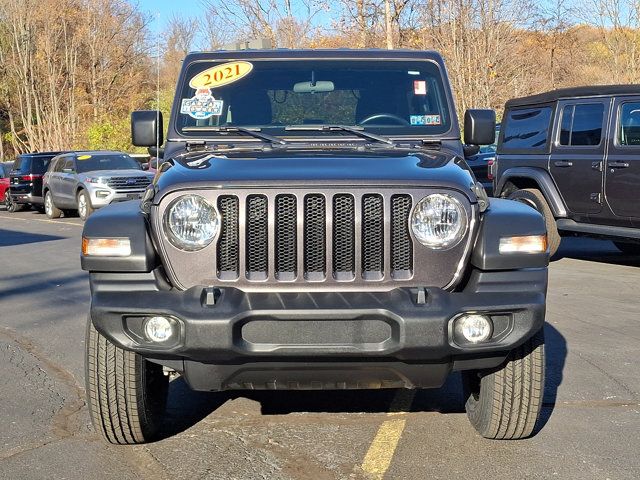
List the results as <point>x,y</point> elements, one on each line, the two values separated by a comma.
<point>57,222</point>
<point>378,458</point>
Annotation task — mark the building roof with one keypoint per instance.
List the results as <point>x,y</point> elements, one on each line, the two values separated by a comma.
<point>574,92</point>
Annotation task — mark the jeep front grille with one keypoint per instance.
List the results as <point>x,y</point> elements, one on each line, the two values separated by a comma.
<point>312,239</point>
<point>340,221</point>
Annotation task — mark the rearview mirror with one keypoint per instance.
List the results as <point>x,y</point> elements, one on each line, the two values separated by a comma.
<point>146,128</point>
<point>321,86</point>
<point>479,127</point>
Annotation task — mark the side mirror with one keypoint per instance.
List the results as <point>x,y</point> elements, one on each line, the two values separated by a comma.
<point>146,128</point>
<point>144,166</point>
<point>470,150</point>
<point>156,152</point>
<point>479,127</point>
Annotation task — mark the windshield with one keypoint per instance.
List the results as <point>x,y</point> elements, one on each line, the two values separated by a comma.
<point>387,97</point>
<point>91,163</point>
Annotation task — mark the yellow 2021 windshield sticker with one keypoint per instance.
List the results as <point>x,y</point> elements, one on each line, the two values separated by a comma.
<point>221,75</point>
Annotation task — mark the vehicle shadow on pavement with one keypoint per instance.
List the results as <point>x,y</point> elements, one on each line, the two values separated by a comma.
<point>594,250</point>
<point>10,238</point>
<point>555,356</point>
<point>186,408</point>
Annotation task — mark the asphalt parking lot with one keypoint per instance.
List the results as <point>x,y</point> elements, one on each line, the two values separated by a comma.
<point>590,428</point>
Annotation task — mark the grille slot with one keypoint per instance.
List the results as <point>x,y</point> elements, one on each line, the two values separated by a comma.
<point>257,249</point>
<point>343,237</point>
<point>286,241</point>
<point>315,234</point>
<point>401,245</point>
<point>372,237</point>
<point>228,244</point>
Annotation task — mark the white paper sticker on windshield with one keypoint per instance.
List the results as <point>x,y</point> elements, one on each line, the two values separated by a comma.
<point>419,87</point>
<point>424,119</point>
<point>202,105</point>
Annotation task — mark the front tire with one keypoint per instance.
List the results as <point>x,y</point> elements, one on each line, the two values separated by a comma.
<point>628,248</point>
<point>84,205</point>
<point>49,207</point>
<point>504,404</point>
<point>126,394</point>
<point>535,199</point>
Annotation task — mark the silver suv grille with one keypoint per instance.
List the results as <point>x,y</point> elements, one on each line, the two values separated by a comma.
<point>128,183</point>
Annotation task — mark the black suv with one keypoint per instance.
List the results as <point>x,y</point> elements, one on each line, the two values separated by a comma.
<point>26,180</point>
<point>574,155</point>
<point>314,226</point>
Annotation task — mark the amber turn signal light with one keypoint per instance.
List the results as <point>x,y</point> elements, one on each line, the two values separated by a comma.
<point>524,244</point>
<point>106,247</point>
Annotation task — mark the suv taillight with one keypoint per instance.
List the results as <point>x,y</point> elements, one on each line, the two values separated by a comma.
<point>30,177</point>
<point>490,169</point>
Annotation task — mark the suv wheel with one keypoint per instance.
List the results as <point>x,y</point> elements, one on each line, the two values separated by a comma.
<point>126,394</point>
<point>49,207</point>
<point>504,403</point>
<point>11,205</point>
<point>628,248</point>
<point>84,205</point>
<point>535,199</point>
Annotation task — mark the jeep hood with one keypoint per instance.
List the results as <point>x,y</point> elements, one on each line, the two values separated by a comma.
<point>437,168</point>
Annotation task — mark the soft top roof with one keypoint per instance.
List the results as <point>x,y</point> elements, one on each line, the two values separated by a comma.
<point>574,92</point>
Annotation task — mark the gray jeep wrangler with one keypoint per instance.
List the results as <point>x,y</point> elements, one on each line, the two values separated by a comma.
<point>314,225</point>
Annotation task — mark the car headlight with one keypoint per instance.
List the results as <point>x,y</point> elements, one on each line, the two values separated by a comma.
<point>439,221</point>
<point>98,180</point>
<point>191,222</point>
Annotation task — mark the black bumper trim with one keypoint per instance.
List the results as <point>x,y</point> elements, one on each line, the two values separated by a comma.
<point>417,333</point>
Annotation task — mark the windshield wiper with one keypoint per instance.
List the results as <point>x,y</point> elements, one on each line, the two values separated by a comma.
<point>359,131</point>
<point>256,133</point>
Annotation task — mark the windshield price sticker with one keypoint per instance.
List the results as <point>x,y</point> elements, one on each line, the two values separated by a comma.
<point>221,75</point>
<point>419,87</point>
<point>201,106</point>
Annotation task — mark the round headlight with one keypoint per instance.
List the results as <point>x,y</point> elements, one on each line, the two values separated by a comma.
<point>439,221</point>
<point>191,222</point>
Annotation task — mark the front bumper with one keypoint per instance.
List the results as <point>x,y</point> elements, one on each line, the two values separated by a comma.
<point>331,338</point>
<point>103,195</point>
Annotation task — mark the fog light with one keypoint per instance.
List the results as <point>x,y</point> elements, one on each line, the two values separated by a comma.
<point>473,328</point>
<point>102,193</point>
<point>159,329</point>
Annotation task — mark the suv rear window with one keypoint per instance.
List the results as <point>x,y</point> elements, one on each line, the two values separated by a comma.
<point>526,129</point>
<point>37,165</point>
<point>581,124</point>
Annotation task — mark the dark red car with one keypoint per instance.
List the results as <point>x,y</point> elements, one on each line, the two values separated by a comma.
<point>5,168</point>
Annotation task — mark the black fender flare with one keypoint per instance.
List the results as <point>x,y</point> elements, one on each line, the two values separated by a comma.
<point>120,220</point>
<point>544,182</point>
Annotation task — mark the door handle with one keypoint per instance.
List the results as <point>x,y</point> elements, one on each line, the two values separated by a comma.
<point>618,164</point>
<point>563,163</point>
